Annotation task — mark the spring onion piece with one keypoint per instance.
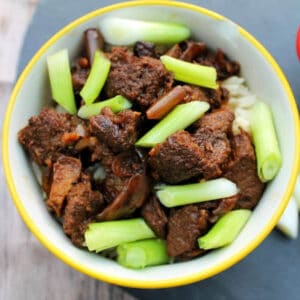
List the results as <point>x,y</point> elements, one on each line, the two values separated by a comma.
<point>118,31</point>
<point>140,254</point>
<point>265,141</point>
<point>297,192</point>
<point>176,195</point>
<point>191,73</point>
<point>179,118</point>
<point>116,104</point>
<point>61,80</point>
<point>225,231</point>
<point>105,235</point>
<point>96,79</point>
<point>288,223</point>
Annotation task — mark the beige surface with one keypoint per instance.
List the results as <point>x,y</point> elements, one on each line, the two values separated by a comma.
<point>27,270</point>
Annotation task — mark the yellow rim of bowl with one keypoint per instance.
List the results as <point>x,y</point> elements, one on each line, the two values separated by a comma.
<point>143,283</point>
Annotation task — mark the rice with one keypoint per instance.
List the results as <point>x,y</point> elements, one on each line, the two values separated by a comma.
<point>241,101</point>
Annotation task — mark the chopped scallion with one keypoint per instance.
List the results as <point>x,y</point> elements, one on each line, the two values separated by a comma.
<point>191,73</point>
<point>177,195</point>
<point>141,254</point>
<point>105,235</point>
<point>265,141</point>
<point>96,79</point>
<point>226,230</point>
<point>119,31</point>
<point>61,80</point>
<point>116,104</point>
<point>179,118</point>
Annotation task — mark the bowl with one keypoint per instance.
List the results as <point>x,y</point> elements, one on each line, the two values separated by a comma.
<point>264,78</point>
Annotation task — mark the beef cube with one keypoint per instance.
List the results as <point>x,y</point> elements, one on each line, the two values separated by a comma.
<point>82,204</point>
<point>243,171</point>
<point>144,49</point>
<point>215,150</point>
<point>119,169</point>
<point>139,79</point>
<point>155,216</point>
<point>225,67</point>
<point>175,51</point>
<point>132,197</point>
<point>118,131</point>
<point>217,120</point>
<point>66,171</point>
<point>126,186</point>
<point>191,254</point>
<point>80,73</point>
<point>45,135</point>
<point>177,159</point>
<point>184,227</point>
<point>187,50</point>
<point>225,205</point>
<point>214,97</point>
<point>191,49</point>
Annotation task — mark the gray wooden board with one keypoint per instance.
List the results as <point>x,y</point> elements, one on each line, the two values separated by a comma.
<point>272,271</point>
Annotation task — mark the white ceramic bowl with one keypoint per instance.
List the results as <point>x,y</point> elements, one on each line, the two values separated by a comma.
<point>263,77</point>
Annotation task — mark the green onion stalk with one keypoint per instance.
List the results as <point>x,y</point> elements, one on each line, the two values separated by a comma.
<point>116,104</point>
<point>179,118</point>
<point>177,195</point>
<point>191,73</point>
<point>122,32</point>
<point>96,79</point>
<point>226,230</point>
<point>61,80</point>
<point>267,151</point>
<point>141,254</point>
<point>105,235</point>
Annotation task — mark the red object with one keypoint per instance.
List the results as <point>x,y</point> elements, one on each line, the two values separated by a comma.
<point>298,43</point>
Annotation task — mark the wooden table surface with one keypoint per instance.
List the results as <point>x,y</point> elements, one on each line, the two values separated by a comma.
<point>27,269</point>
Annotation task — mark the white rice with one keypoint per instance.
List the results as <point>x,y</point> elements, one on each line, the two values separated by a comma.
<point>241,101</point>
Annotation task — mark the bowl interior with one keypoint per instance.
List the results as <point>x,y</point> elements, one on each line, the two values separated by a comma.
<point>261,78</point>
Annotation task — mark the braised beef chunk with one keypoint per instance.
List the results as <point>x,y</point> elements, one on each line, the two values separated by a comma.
<point>187,50</point>
<point>118,131</point>
<point>144,49</point>
<point>177,159</point>
<point>175,51</point>
<point>155,216</point>
<point>47,177</point>
<point>225,67</point>
<point>191,50</point>
<point>219,119</point>
<point>139,79</point>
<point>215,97</point>
<point>132,197</point>
<point>66,172</point>
<point>126,186</point>
<point>191,254</point>
<point>184,227</point>
<point>45,135</point>
<point>80,73</point>
<point>119,169</point>
<point>242,170</point>
<point>214,151</point>
<point>97,151</point>
<point>225,205</point>
<point>82,204</point>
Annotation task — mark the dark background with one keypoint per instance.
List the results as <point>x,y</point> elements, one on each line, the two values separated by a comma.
<point>272,271</point>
